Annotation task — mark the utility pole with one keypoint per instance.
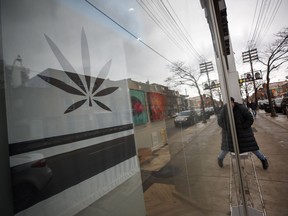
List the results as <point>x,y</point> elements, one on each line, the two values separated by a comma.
<point>250,56</point>
<point>207,67</point>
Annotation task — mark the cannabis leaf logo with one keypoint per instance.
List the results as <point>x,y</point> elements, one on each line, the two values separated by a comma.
<point>90,94</point>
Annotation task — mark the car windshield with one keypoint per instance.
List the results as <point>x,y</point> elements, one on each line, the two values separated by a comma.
<point>184,113</point>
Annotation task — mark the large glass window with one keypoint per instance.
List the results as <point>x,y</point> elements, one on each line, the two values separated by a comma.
<point>113,109</point>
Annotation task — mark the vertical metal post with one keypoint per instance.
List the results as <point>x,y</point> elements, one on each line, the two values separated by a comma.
<point>230,111</point>
<point>5,183</point>
<point>6,206</point>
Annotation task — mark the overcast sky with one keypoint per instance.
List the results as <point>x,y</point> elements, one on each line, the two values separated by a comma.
<point>240,18</point>
<point>240,15</point>
<point>112,28</point>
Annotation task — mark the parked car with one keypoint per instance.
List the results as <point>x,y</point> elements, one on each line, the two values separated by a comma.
<point>284,105</point>
<point>30,174</point>
<point>277,106</point>
<point>186,118</point>
<point>261,103</point>
<point>206,114</point>
<point>210,110</point>
<point>175,115</point>
<point>267,107</point>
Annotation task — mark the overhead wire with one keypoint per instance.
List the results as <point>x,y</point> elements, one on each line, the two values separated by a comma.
<point>130,33</point>
<point>272,17</point>
<point>263,20</point>
<point>134,36</point>
<point>183,32</point>
<point>158,23</point>
<point>167,23</point>
<point>266,16</point>
<point>171,27</point>
<point>188,40</point>
<point>249,42</point>
<point>174,27</point>
<point>257,24</point>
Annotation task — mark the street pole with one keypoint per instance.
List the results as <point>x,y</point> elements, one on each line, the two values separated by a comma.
<point>250,56</point>
<point>207,67</point>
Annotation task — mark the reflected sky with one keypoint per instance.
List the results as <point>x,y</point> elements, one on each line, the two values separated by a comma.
<point>109,30</point>
<point>112,27</point>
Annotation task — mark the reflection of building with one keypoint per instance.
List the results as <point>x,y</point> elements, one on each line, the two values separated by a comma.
<point>195,102</point>
<point>151,134</point>
<point>285,89</point>
<point>277,89</point>
<point>16,74</point>
<point>174,101</point>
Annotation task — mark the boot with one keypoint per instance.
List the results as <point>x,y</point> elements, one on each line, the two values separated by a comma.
<point>220,162</point>
<point>265,164</point>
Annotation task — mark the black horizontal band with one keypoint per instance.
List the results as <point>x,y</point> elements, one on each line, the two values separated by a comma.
<point>74,167</point>
<point>27,146</point>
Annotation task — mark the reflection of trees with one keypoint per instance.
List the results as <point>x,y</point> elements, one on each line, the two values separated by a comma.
<point>183,75</point>
<point>275,55</point>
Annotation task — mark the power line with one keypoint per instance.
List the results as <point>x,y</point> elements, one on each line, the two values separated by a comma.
<point>184,36</point>
<point>175,27</point>
<point>257,22</point>
<point>130,33</point>
<point>248,42</point>
<point>160,24</point>
<point>171,28</point>
<point>184,29</point>
<point>266,16</point>
<point>277,6</point>
<point>163,20</point>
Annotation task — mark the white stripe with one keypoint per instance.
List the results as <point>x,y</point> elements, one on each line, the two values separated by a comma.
<point>52,151</point>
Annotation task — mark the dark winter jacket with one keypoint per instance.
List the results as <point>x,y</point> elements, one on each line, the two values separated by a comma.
<point>243,121</point>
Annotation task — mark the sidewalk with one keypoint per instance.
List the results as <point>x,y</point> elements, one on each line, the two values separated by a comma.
<point>191,183</point>
<point>280,120</point>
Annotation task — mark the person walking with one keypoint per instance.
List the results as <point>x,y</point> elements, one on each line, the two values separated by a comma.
<point>253,107</point>
<point>246,140</point>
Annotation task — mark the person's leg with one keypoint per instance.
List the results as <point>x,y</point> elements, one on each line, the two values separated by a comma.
<point>262,158</point>
<point>255,113</point>
<point>221,157</point>
<point>222,154</point>
<point>259,155</point>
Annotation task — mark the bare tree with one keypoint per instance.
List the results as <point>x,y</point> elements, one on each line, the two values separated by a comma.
<point>275,56</point>
<point>183,75</point>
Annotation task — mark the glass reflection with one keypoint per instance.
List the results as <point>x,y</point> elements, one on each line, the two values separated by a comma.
<point>93,124</point>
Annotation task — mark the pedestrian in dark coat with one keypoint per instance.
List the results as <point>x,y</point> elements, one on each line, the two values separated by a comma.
<point>246,140</point>
<point>253,107</point>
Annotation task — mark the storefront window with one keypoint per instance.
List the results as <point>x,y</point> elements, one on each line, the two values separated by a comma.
<point>111,109</point>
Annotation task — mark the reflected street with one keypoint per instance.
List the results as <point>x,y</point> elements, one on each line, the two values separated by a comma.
<point>209,189</point>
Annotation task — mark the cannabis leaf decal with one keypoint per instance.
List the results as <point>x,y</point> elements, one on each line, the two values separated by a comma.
<point>82,90</point>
